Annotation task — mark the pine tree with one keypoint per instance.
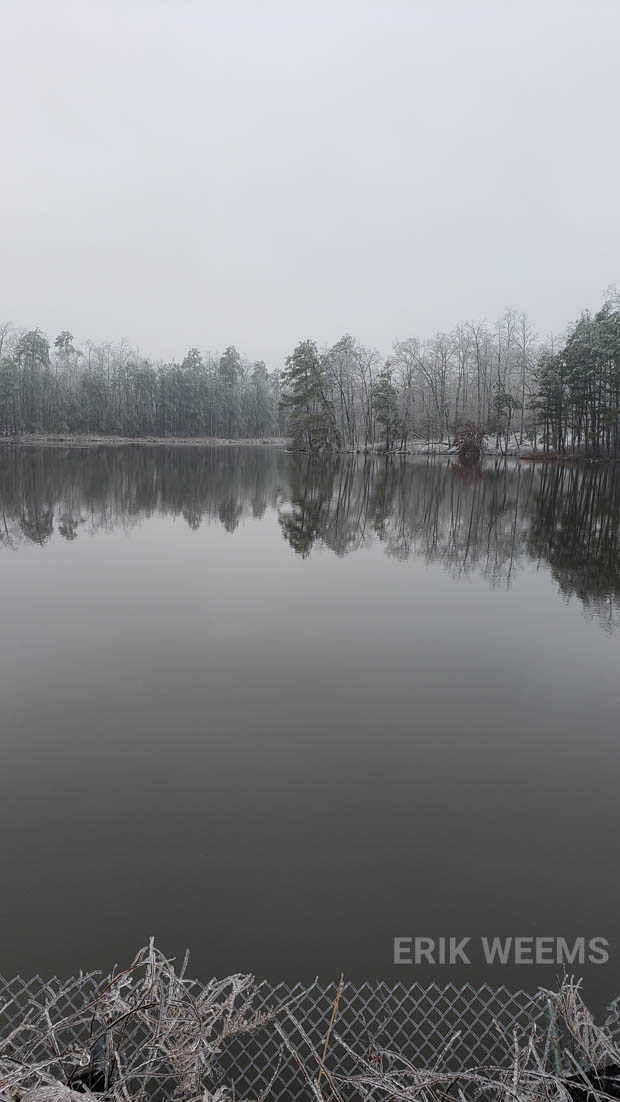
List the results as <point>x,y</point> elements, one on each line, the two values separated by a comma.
<point>311,420</point>
<point>385,401</point>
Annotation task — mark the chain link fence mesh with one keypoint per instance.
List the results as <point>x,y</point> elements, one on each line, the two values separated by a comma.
<point>463,1027</point>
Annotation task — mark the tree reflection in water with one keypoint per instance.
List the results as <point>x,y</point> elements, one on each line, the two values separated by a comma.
<point>490,519</point>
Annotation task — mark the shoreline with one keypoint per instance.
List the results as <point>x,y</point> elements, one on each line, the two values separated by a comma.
<point>93,440</point>
<point>431,448</point>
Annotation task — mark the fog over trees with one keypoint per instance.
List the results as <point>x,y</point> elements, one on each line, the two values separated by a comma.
<point>563,395</point>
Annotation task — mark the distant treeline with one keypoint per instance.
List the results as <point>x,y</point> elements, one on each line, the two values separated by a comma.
<point>563,395</point>
<point>110,389</point>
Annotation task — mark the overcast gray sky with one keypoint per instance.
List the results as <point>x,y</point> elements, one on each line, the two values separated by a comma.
<point>197,172</point>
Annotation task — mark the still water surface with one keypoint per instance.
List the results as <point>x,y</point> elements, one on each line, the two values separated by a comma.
<point>281,711</point>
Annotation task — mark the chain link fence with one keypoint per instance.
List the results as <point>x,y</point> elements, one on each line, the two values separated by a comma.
<point>463,1027</point>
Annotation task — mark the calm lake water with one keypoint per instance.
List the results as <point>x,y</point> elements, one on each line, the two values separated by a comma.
<point>281,711</point>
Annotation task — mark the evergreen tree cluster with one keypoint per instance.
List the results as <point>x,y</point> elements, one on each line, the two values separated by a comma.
<point>577,400</point>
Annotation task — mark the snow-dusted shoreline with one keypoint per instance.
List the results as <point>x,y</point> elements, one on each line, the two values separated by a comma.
<point>491,448</point>
<point>513,449</point>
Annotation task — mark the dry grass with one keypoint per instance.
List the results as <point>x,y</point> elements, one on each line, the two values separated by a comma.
<point>147,1022</point>
<point>573,1061</point>
<point>148,1031</point>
